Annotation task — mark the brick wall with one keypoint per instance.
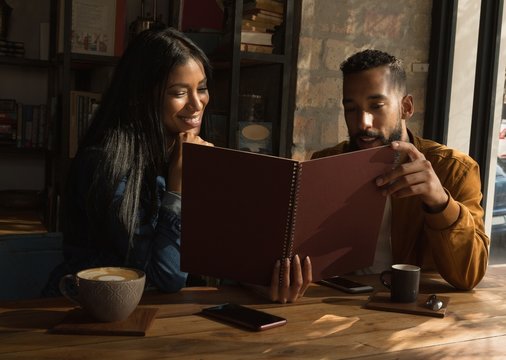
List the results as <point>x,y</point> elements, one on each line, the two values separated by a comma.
<point>332,30</point>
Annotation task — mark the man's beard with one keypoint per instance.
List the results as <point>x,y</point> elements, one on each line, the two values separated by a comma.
<point>394,136</point>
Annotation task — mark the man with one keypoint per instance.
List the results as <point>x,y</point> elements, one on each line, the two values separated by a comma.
<point>433,196</point>
<point>436,217</point>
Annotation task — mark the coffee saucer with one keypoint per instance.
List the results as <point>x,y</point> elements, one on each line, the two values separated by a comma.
<point>381,301</point>
<point>77,321</point>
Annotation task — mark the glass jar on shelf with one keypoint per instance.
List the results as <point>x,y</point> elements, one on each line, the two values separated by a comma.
<point>254,131</point>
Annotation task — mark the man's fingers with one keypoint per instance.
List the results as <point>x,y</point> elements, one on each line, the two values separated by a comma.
<point>417,163</point>
<point>408,149</point>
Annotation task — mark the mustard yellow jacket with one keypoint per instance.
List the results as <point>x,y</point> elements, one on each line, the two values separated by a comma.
<point>458,250</point>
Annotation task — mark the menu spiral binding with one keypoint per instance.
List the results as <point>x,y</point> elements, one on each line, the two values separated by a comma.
<point>291,218</point>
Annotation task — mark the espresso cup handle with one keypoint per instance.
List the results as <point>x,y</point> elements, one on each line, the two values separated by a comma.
<point>64,288</point>
<point>385,273</point>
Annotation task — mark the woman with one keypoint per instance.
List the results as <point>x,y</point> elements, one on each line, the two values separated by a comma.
<point>123,193</point>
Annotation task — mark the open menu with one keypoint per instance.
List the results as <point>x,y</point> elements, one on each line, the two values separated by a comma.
<point>242,211</point>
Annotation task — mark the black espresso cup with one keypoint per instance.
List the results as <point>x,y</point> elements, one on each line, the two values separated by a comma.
<point>403,280</point>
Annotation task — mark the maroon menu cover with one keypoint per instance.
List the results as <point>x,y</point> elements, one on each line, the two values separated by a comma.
<point>242,211</point>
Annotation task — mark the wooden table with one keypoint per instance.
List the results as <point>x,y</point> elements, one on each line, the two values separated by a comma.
<point>325,324</point>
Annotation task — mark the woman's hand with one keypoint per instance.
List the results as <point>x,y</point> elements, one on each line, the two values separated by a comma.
<point>175,176</point>
<point>288,291</point>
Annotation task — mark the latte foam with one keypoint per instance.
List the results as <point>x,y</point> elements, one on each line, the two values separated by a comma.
<point>109,274</point>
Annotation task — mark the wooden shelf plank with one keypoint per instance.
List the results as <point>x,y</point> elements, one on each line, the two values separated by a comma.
<point>20,61</point>
<point>14,222</point>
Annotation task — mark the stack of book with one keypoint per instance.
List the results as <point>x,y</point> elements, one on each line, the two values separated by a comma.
<point>12,48</point>
<point>8,122</point>
<point>23,125</point>
<point>259,22</point>
<point>33,127</point>
<point>83,105</point>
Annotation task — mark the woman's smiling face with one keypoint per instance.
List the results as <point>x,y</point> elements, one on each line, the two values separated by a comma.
<point>186,97</point>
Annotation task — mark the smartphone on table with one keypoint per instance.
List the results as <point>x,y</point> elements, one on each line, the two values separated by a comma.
<point>346,285</point>
<point>244,316</point>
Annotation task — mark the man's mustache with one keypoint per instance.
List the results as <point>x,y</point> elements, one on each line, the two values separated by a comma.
<point>369,133</point>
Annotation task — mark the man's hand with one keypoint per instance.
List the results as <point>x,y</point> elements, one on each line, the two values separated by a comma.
<point>414,177</point>
<point>175,176</point>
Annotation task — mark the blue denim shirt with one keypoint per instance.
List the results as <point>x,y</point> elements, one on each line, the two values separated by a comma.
<point>156,241</point>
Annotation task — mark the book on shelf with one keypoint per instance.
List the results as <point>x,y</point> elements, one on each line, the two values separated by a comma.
<point>260,17</point>
<point>263,49</point>
<point>8,127</point>
<point>259,24</point>
<point>23,125</point>
<point>19,129</point>
<point>26,130</point>
<point>43,128</point>
<point>83,104</point>
<point>263,14</point>
<point>97,27</point>
<point>8,105</point>
<point>267,208</point>
<point>12,45</point>
<point>266,5</point>
<point>255,26</point>
<point>12,48</point>
<point>8,123</point>
<point>32,131</point>
<point>256,38</point>
<point>34,136</point>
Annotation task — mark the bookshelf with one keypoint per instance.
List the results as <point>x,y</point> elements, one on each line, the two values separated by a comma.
<point>79,71</point>
<point>26,163</point>
<point>50,77</point>
<point>241,67</point>
<point>83,74</point>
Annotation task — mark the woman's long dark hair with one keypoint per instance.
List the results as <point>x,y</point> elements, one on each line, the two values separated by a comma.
<point>128,131</point>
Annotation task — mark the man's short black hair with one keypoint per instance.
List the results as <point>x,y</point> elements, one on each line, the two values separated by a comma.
<point>370,59</point>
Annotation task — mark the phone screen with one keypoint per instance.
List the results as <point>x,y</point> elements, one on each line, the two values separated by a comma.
<point>346,285</point>
<point>240,315</point>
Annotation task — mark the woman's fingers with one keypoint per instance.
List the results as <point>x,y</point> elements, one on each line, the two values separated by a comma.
<point>307,275</point>
<point>297,280</point>
<point>193,138</point>
<point>290,279</point>
<point>273,290</point>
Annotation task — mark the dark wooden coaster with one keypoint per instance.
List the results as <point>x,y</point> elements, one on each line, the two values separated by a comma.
<point>381,301</point>
<point>77,321</point>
